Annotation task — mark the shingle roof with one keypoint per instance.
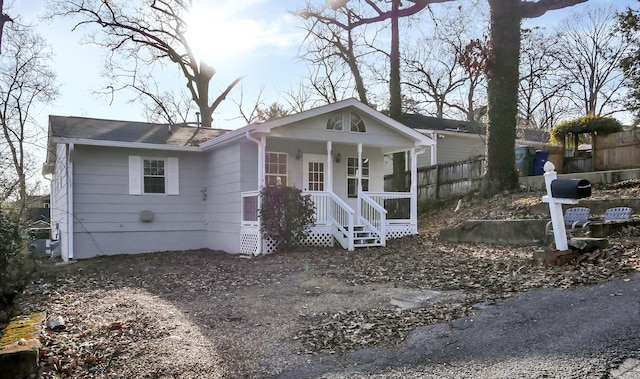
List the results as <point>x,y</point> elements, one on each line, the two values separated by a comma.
<point>129,131</point>
<point>418,121</point>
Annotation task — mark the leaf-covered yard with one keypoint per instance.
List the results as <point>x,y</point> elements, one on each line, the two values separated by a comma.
<point>209,314</point>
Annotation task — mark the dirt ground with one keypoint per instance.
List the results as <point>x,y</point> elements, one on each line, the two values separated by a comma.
<point>196,314</point>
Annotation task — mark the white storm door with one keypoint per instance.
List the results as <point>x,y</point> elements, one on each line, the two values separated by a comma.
<point>314,172</point>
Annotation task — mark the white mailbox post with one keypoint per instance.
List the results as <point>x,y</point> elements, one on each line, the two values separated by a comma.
<point>555,208</point>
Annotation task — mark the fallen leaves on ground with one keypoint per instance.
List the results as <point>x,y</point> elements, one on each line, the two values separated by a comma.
<point>209,314</point>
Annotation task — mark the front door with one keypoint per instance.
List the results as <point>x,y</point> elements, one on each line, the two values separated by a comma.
<point>314,171</point>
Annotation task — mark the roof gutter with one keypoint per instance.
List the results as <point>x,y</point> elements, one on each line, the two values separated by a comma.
<point>133,145</point>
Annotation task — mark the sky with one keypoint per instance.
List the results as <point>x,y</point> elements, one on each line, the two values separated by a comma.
<point>258,40</point>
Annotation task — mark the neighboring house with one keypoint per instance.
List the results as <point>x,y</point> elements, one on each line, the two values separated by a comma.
<point>457,140</point>
<point>129,187</point>
<point>38,210</point>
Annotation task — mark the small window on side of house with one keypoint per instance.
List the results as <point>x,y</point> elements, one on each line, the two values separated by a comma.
<point>357,124</point>
<point>335,122</point>
<point>153,176</point>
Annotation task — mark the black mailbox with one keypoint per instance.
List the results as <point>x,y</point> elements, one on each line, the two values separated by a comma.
<point>571,188</point>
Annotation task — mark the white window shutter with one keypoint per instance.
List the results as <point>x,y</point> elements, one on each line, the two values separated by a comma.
<point>173,177</point>
<point>135,175</point>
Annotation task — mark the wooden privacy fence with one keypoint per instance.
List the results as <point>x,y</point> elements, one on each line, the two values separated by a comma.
<point>445,180</point>
<point>617,151</point>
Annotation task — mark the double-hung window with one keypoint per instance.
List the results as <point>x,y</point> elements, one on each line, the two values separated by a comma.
<point>153,175</point>
<point>352,176</point>
<point>275,169</point>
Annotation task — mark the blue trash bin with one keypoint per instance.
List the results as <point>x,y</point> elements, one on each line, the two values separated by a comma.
<point>540,159</point>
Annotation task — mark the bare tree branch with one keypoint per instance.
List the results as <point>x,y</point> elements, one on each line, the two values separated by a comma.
<point>151,32</point>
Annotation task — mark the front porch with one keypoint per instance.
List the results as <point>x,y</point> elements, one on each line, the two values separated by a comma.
<point>335,155</point>
<point>379,216</point>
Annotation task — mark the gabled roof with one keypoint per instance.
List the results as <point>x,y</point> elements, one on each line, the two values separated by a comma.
<point>421,122</point>
<point>134,134</point>
<point>266,127</point>
<point>101,131</point>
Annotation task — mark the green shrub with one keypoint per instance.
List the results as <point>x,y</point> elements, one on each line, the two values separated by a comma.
<point>15,265</point>
<point>286,215</point>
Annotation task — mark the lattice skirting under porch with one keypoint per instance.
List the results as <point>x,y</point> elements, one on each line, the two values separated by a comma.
<point>249,235</point>
<point>320,236</point>
<point>398,231</point>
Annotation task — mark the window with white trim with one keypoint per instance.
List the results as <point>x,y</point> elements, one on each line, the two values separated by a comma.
<point>275,169</point>
<point>357,124</point>
<point>335,122</point>
<point>352,176</point>
<point>153,176</point>
<point>150,175</point>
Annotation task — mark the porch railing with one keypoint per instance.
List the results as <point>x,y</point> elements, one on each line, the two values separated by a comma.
<point>397,204</point>
<point>374,216</point>
<point>332,210</point>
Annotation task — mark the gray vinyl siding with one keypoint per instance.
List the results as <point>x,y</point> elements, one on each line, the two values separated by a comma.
<point>59,192</point>
<point>107,217</point>
<point>224,170</point>
<point>450,148</point>
<point>453,148</point>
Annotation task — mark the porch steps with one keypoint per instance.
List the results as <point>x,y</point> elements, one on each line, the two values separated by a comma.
<point>363,237</point>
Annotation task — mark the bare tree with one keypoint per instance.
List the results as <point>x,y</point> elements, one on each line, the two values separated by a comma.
<point>25,81</point>
<point>346,20</point>
<point>330,79</point>
<point>542,92</point>
<point>590,53</point>
<point>440,69</point>
<point>331,42</point>
<point>448,72</point>
<point>299,99</point>
<point>142,34</point>
<point>4,18</point>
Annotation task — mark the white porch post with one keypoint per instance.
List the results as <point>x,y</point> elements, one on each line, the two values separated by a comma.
<point>414,187</point>
<point>261,144</point>
<point>359,207</point>
<point>329,179</point>
<point>261,159</point>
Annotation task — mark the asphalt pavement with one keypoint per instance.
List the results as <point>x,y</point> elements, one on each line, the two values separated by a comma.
<point>588,332</point>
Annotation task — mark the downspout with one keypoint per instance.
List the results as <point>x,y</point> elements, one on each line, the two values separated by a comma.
<point>434,148</point>
<point>261,144</point>
<point>70,202</point>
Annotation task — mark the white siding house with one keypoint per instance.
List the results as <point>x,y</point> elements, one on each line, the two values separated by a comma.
<point>123,187</point>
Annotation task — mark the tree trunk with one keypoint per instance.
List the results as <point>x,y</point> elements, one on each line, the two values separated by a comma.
<point>395,97</point>
<point>355,69</point>
<point>502,90</point>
